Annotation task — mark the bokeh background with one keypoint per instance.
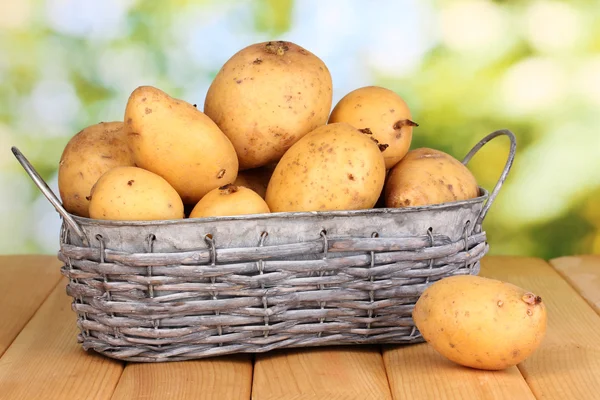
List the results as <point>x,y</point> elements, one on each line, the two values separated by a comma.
<point>466,68</point>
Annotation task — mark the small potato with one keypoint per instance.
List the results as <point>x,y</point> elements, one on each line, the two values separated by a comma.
<point>88,155</point>
<point>480,322</point>
<point>266,97</point>
<point>427,176</point>
<point>335,167</point>
<point>134,194</point>
<point>229,200</point>
<point>256,179</point>
<point>382,112</point>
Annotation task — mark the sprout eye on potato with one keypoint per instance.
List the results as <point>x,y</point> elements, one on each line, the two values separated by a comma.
<point>480,322</point>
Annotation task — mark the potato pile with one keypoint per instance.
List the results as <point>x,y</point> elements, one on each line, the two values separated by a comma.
<point>267,140</point>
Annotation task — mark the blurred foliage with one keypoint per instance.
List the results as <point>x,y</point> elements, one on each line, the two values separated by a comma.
<point>477,66</point>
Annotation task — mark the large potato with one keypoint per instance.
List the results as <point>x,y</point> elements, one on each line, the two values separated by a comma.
<point>384,113</point>
<point>480,322</point>
<point>335,167</point>
<point>134,194</point>
<point>171,138</point>
<point>427,176</point>
<point>88,155</point>
<point>266,97</point>
<point>229,200</point>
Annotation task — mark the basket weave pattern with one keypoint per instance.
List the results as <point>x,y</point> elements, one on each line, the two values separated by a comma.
<point>193,304</point>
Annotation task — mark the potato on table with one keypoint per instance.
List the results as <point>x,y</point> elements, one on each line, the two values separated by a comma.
<point>480,322</point>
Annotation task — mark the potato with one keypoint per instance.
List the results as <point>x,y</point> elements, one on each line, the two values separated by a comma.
<point>229,200</point>
<point>427,176</point>
<point>134,194</point>
<point>480,322</point>
<point>382,112</point>
<point>266,97</point>
<point>256,179</point>
<point>88,155</point>
<point>335,167</point>
<point>171,138</point>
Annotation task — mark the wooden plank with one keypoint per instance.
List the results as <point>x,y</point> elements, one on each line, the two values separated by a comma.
<point>583,273</point>
<point>46,362</point>
<point>25,282</point>
<point>321,373</point>
<point>567,364</point>
<point>221,378</point>
<point>419,372</point>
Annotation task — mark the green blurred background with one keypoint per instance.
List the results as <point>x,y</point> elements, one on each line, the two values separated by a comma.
<point>466,68</point>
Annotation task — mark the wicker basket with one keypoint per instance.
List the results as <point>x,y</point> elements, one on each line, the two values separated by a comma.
<point>176,290</point>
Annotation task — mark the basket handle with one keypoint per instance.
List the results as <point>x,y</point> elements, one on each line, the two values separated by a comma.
<point>505,171</point>
<point>54,200</point>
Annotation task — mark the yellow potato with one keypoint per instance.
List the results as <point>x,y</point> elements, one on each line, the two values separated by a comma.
<point>229,200</point>
<point>480,322</point>
<point>171,138</point>
<point>256,179</point>
<point>382,112</point>
<point>335,167</point>
<point>134,194</point>
<point>266,97</point>
<point>427,176</point>
<point>88,155</point>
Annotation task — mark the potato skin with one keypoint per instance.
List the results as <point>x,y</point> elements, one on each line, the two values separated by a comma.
<point>173,139</point>
<point>266,97</point>
<point>384,113</point>
<point>428,176</point>
<point>480,322</point>
<point>89,154</point>
<point>134,194</point>
<point>229,200</point>
<point>256,179</point>
<point>335,167</point>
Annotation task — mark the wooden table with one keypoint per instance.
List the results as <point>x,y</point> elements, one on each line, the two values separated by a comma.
<point>40,358</point>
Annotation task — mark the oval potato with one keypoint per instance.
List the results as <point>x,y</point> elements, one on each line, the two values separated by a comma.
<point>266,97</point>
<point>480,322</point>
<point>229,200</point>
<point>382,112</point>
<point>88,155</point>
<point>335,167</point>
<point>173,139</point>
<point>134,194</point>
<point>428,176</point>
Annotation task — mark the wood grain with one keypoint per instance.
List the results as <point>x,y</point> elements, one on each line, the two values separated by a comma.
<point>583,273</point>
<point>567,364</point>
<point>221,378</point>
<point>25,282</point>
<point>321,373</point>
<point>46,362</point>
<point>419,372</point>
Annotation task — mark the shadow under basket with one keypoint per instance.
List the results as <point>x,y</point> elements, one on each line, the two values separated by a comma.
<point>153,291</point>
